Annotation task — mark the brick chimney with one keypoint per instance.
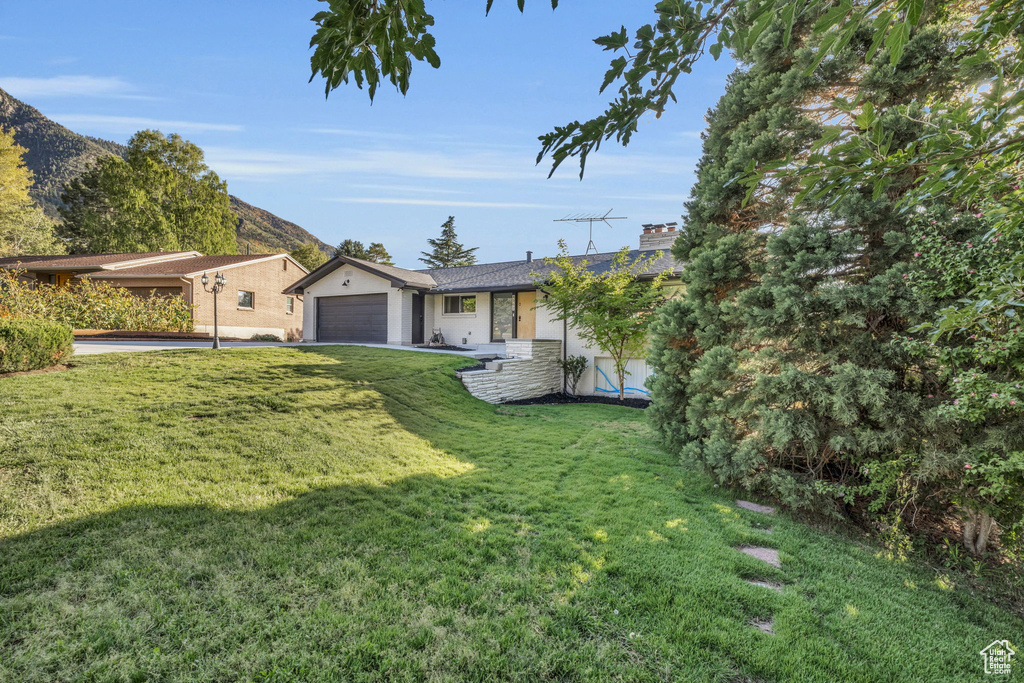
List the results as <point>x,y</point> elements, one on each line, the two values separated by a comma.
<point>658,236</point>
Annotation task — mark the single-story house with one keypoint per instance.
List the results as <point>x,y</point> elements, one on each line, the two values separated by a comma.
<point>253,301</point>
<point>480,306</point>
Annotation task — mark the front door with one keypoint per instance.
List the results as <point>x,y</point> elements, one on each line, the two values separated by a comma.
<point>503,316</point>
<point>417,318</point>
<point>526,315</point>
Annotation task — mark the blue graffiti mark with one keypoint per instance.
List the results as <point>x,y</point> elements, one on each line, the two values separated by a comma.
<point>613,390</point>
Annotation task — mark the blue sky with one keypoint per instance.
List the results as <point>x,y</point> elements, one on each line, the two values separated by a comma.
<point>232,77</point>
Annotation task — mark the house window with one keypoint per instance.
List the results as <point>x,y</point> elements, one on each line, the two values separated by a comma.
<point>460,304</point>
<point>284,264</point>
<point>245,299</point>
<point>289,304</point>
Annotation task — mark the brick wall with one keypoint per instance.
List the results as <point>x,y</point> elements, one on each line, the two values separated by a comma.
<point>266,280</point>
<point>530,370</point>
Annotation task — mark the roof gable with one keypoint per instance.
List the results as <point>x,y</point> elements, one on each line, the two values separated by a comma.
<point>398,277</point>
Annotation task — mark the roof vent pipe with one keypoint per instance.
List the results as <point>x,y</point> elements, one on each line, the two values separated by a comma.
<point>529,257</point>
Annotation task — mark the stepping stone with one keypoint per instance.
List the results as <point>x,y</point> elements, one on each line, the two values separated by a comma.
<point>764,625</point>
<point>769,555</point>
<point>763,509</point>
<point>765,584</point>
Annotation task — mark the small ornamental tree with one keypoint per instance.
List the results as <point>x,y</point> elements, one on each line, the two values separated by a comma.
<point>446,251</point>
<point>309,255</point>
<point>610,310</point>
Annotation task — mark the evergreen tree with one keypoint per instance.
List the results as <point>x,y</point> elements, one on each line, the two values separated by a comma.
<point>777,370</point>
<point>24,229</point>
<point>309,255</point>
<point>161,195</point>
<point>446,251</point>
<point>378,254</point>
<point>353,249</point>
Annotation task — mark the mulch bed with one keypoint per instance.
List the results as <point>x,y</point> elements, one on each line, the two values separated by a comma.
<point>52,368</point>
<point>446,347</point>
<point>562,399</point>
<point>109,335</point>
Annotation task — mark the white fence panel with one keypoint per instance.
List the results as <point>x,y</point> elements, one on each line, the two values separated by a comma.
<point>637,372</point>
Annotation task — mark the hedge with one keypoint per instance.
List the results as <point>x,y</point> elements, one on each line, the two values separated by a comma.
<point>92,305</point>
<point>33,344</point>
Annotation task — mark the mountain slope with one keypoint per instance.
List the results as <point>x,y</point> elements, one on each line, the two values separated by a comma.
<point>56,155</point>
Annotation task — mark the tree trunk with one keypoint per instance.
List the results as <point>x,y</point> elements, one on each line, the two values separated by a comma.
<point>978,527</point>
<point>622,383</point>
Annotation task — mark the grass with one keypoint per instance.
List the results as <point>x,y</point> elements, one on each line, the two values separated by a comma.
<point>338,513</point>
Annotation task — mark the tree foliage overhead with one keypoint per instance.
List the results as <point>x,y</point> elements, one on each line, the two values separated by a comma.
<point>161,195</point>
<point>24,229</point>
<point>366,40</point>
<point>446,251</point>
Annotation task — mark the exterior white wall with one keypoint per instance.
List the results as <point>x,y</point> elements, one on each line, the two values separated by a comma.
<point>474,327</point>
<point>400,316</point>
<point>360,282</point>
<point>428,316</point>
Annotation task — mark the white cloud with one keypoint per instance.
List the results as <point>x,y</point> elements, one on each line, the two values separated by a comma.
<point>233,162</point>
<point>132,124</point>
<point>416,201</point>
<point>69,86</point>
<point>479,164</point>
<point>391,187</point>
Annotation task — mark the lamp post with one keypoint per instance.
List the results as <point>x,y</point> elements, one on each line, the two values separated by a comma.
<point>218,285</point>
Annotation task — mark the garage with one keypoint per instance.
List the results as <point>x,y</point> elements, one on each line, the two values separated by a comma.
<point>359,318</point>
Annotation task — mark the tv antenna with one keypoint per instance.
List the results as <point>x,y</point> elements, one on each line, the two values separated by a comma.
<point>590,219</point>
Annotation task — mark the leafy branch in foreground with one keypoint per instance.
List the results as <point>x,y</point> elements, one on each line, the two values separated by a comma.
<point>363,40</point>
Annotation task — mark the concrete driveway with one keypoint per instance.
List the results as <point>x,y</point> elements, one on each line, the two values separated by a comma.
<point>88,348</point>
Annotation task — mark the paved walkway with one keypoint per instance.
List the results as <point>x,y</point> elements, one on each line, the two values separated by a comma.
<point>87,348</point>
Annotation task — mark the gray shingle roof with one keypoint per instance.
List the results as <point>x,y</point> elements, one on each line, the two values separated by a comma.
<point>522,274</point>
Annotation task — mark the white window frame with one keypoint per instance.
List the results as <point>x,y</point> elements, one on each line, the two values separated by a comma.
<point>289,305</point>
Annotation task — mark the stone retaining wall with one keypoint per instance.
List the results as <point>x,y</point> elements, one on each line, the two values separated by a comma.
<point>529,370</point>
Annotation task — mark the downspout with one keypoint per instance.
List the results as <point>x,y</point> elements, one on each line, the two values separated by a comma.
<point>565,340</point>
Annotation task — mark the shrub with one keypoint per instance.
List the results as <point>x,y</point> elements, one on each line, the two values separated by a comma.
<point>92,305</point>
<point>573,367</point>
<point>265,338</point>
<point>33,344</point>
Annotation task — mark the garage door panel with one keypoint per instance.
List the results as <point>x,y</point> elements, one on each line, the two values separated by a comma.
<point>356,318</point>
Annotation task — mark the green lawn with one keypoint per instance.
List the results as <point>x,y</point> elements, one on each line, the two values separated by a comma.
<point>338,513</point>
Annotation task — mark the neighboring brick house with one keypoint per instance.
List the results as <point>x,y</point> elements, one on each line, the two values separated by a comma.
<point>483,306</point>
<point>253,301</point>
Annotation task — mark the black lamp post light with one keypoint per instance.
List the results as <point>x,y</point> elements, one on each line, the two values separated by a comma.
<point>218,286</point>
